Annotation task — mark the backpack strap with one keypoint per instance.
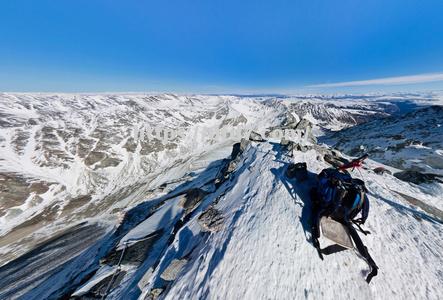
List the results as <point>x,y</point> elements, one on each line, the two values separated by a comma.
<point>359,200</point>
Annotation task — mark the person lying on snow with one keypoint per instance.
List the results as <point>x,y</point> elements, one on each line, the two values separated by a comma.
<point>342,198</point>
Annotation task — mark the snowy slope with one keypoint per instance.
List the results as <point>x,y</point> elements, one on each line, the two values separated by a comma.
<point>262,249</point>
<point>412,141</point>
<point>191,221</point>
<point>66,158</point>
<point>263,252</point>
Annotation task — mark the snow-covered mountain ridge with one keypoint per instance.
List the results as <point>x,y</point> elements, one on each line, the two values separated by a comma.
<point>70,159</point>
<point>413,141</point>
<point>244,232</point>
<point>65,158</point>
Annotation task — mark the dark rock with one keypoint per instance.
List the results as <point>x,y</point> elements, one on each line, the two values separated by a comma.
<point>108,162</point>
<point>306,127</point>
<point>288,146</point>
<point>15,189</point>
<point>130,145</point>
<point>298,171</point>
<point>39,187</point>
<point>211,220</point>
<point>238,148</point>
<point>256,137</point>
<point>94,157</point>
<point>381,171</point>
<point>397,137</point>
<point>418,177</point>
<point>104,286</point>
<point>356,151</point>
<point>173,269</point>
<point>230,164</point>
<point>162,187</point>
<point>84,146</point>
<point>234,121</point>
<point>135,253</point>
<point>302,148</point>
<point>20,140</point>
<point>290,121</point>
<point>275,133</point>
<point>303,124</point>
<point>335,160</point>
<point>398,147</point>
<point>75,203</point>
<point>154,294</point>
<point>285,142</point>
<point>192,198</point>
<point>293,146</point>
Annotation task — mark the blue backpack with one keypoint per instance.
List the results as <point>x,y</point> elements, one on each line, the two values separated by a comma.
<point>343,195</point>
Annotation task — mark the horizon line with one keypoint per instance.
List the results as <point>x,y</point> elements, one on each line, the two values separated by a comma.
<point>395,80</point>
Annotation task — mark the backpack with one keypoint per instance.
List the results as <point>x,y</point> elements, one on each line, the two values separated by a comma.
<point>344,197</point>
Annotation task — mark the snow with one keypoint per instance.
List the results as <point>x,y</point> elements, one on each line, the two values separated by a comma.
<point>101,274</point>
<point>263,249</point>
<point>162,218</point>
<point>411,141</point>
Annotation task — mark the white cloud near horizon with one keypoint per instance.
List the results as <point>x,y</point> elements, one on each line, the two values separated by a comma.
<point>399,80</point>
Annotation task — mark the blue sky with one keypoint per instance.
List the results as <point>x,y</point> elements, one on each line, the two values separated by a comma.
<point>215,46</point>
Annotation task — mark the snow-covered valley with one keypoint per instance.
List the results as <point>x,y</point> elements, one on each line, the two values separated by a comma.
<point>92,208</point>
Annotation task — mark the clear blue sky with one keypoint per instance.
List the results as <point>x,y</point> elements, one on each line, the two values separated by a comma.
<point>216,45</point>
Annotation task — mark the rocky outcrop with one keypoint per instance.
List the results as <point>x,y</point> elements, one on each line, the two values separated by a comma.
<point>418,177</point>
<point>192,198</point>
<point>174,268</point>
<point>238,148</point>
<point>334,159</point>
<point>211,220</point>
<point>299,132</point>
<point>410,141</point>
<point>381,171</point>
<point>256,137</point>
<point>16,189</point>
<point>298,171</point>
<point>230,165</point>
<point>133,254</point>
<point>110,282</point>
<point>154,294</point>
